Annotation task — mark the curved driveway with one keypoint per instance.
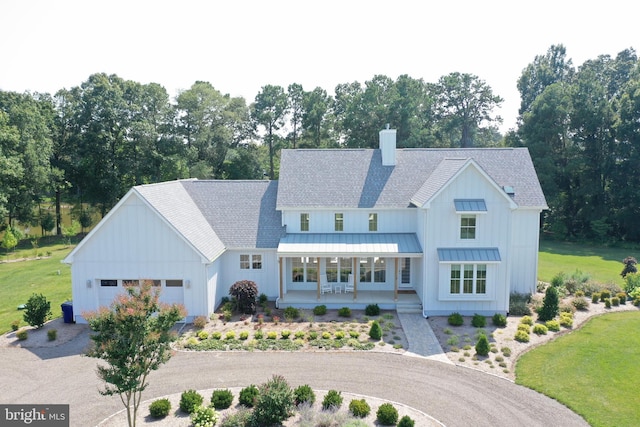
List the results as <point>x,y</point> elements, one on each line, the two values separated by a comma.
<point>455,396</point>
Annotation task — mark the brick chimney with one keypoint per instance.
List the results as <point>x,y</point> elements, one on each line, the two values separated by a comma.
<point>388,146</point>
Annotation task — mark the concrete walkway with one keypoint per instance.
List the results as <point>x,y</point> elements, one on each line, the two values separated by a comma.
<point>422,340</point>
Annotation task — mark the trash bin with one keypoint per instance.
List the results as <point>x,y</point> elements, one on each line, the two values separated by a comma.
<point>67,311</point>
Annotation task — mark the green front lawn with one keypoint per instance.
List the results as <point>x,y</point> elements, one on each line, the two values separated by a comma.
<point>604,264</point>
<point>20,279</point>
<point>592,370</point>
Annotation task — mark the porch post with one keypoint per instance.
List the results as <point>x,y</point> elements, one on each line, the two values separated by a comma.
<point>355,278</point>
<point>280,269</point>
<point>395,280</point>
<point>318,280</point>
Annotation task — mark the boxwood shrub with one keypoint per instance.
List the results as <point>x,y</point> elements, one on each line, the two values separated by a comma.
<point>160,408</point>
<point>333,399</point>
<point>221,399</point>
<point>190,400</point>
<point>455,319</point>
<point>499,320</point>
<point>540,329</point>
<point>359,408</point>
<point>247,396</point>
<point>372,310</point>
<point>344,312</point>
<point>478,321</point>
<point>522,336</point>
<point>304,394</point>
<point>320,310</point>
<point>387,414</point>
<point>406,421</point>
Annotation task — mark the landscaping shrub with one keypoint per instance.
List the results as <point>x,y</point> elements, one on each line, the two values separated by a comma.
<point>482,346</point>
<point>372,310</point>
<point>248,396</point>
<point>607,302</point>
<point>406,421</point>
<point>605,294</point>
<point>204,417</point>
<point>566,320</point>
<point>258,334</point>
<point>304,394</point>
<point>387,414</point>
<point>203,335</point>
<point>550,305</point>
<point>629,267</point>
<point>230,335</point>
<point>285,334</point>
<point>245,292</point>
<point>15,325</point>
<point>272,335</point>
<point>344,312</point>
<point>244,335</point>
<point>595,297</point>
<point>552,325</point>
<point>359,408</point>
<point>524,327</point>
<point>580,303</point>
<point>333,399</point>
<point>339,335</point>
<point>622,297</point>
<point>22,334</point>
<point>376,331</point>
<point>478,321</point>
<point>455,319</point>
<point>221,399</point>
<point>521,336</point>
<point>615,301</point>
<point>190,400</point>
<point>274,404</point>
<point>291,313</point>
<point>200,322</point>
<point>519,304</point>
<point>499,320</point>
<point>527,320</point>
<point>239,418</point>
<point>37,310</point>
<point>540,329</point>
<point>558,280</point>
<point>262,298</point>
<point>320,310</point>
<point>160,408</point>
<point>52,334</point>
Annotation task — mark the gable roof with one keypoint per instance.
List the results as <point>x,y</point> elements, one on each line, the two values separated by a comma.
<point>356,178</point>
<point>241,213</point>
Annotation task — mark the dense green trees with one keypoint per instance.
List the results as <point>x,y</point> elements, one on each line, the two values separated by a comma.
<point>96,140</point>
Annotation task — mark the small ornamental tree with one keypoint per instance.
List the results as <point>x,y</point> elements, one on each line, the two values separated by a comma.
<point>134,338</point>
<point>9,241</point>
<point>245,292</point>
<point>629,266</point>
<point>550,305</point>
<point>37,310</point>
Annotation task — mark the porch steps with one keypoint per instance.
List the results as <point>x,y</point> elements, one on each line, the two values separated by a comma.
<point>409,307</point>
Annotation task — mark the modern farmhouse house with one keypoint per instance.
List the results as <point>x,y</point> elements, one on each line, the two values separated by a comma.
<point>434,230</point>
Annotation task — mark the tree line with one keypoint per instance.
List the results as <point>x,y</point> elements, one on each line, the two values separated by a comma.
<point>95,141</point>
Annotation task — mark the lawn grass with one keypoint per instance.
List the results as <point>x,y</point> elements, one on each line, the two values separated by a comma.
<point>603,264</point>
<point>591,370</point>
<point>20,279</point>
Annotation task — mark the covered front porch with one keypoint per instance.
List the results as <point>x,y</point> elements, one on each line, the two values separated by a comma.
<point>404,301</point>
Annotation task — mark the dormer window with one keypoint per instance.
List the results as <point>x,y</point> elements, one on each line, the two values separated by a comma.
<point>338,222</point>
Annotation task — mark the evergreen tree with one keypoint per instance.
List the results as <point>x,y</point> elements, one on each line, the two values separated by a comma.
<point>550,305</point>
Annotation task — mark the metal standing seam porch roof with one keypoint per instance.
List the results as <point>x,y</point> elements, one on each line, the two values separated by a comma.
<point>469,255</point>
<point>350,244</point>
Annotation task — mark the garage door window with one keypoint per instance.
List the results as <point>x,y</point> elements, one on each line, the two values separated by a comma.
<point>174,283</point>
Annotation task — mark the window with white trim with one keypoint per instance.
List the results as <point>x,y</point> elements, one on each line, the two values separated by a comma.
<point>405,273</point>
<point>250,262</point>
<point>467,226</point>
<point>304,222</point>
<point>304,269</point>
<point>373,270</point>
<point>373,222</point>
<point>468,279</point>
<point>338,222</point>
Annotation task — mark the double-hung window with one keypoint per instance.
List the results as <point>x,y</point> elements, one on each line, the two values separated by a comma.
<point>304,269</point>
<point>373,222</point>
<point>250,262</point>
<point>338,222</point>
<point>304,222</point>
<point>468,227</point>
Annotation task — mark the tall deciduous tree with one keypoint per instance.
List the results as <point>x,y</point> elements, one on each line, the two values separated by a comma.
<point>269,111</point>
<point>295,93</point>
<point>133,338</point>
<point>316,107</point>
<point>465,107</point>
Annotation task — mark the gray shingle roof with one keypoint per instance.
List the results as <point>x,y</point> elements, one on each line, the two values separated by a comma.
<point>218,215</point>
<point>355,178</point>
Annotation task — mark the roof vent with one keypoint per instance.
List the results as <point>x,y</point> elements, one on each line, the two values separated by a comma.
<point>509,190</point>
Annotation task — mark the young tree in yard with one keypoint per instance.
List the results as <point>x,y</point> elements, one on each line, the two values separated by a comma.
<point>550,305</point>
<point>629,266</point>
<point>37,310</point>
<point>133,337</point>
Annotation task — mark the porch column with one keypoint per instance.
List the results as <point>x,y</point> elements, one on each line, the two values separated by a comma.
<point>395,280</point>
<point>355,278</point>
<point>280,269</point>
<point>318,280</point>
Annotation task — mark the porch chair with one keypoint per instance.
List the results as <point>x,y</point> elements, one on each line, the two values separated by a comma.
<point>348,287</point>
<point>325,286</point>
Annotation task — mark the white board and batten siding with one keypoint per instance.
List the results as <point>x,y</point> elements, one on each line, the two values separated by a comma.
<point>354,220</point>
<point>266,278</point>
<point>134,243</point>
<point>441,229</point>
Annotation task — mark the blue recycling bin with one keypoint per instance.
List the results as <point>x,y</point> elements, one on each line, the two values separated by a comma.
<point>67,311</point>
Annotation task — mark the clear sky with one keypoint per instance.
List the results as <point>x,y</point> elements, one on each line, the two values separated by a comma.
<point>240,46</point>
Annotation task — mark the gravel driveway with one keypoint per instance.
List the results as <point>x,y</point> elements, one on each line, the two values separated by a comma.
<point>454,395</point>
